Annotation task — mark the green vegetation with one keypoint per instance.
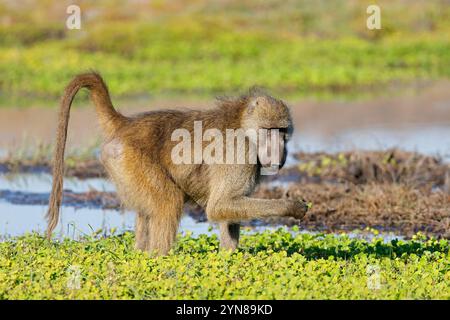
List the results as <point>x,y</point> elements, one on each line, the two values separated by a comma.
<point>197,48</point>
<point>272,265</point>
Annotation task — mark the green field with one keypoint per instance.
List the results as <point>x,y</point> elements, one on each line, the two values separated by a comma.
<point>269,265</point>
<point>305,48</point>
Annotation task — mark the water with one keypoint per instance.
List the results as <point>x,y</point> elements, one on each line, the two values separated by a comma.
<point>76,222</point>
<point>429,140</point>
<point>42,182</point>
<point>16,220</point>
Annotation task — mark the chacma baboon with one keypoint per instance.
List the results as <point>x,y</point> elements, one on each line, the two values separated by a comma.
<point>137,156</point>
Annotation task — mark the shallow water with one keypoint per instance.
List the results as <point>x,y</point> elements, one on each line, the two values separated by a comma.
<point>16,220</point>
<point>42,182</point>
<point>77,221</point>
<point>429,140</point>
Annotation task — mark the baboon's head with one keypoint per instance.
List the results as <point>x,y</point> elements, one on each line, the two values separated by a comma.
<point>266,112</point>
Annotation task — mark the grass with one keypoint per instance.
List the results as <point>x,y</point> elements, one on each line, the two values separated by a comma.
<point>269,265</point>
<point>283,64</point>
<point>203,49</point>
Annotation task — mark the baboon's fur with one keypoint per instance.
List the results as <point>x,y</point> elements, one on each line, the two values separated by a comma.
<point>137,155</point>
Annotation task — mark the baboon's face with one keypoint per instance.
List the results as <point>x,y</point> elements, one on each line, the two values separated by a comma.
<point>272,115</point>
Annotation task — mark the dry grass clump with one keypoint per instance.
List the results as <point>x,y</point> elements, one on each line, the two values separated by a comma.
<point>389,207</point>
<point>390,166</point>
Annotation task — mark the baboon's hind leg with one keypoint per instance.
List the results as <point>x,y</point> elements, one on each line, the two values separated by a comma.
<point>158,202</point>
<point>229,235</point>
<point>163,219</point>
<point>141,233</point>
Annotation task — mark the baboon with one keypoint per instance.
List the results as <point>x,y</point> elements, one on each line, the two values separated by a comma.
<point>136,153</point>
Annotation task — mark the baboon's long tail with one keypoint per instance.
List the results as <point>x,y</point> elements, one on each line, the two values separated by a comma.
<point>110,121</point>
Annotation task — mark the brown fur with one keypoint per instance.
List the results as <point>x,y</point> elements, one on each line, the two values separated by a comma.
<point>137,155</point>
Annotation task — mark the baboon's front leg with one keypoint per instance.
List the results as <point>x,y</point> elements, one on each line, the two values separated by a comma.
<point>245,208</point>
<point>229,235</point>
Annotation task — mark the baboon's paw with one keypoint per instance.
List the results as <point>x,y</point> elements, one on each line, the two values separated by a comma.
<point>297,209</point>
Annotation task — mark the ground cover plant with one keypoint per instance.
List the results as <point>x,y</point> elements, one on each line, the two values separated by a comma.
<point>269,265</point>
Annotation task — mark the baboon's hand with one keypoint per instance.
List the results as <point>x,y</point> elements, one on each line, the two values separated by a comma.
<point>297,209</point>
